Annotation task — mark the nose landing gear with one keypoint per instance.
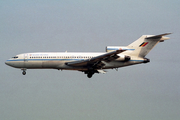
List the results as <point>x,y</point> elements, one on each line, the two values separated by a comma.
<point>24,71</point>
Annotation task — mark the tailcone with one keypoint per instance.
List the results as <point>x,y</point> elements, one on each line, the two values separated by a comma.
<point>146,60</point>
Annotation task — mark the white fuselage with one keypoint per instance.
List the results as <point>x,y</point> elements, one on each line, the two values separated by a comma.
<point>57,60</point>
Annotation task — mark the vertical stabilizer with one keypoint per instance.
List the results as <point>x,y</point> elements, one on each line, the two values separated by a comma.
<point>145,43</point>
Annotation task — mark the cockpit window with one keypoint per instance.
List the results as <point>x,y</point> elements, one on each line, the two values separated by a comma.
<point>15,57</point>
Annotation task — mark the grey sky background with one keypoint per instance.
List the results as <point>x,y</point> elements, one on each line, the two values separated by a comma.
<point>141,92</point>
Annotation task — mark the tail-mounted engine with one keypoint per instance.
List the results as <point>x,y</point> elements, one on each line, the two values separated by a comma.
<point>123,58</point>
<point>113,48</point>
<point>120,57</point>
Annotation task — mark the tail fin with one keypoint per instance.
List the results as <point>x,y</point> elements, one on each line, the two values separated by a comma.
<point>145,43</point>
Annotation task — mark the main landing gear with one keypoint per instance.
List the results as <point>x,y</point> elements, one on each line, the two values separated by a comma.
<point>89,73</point>
<point>24,71</point>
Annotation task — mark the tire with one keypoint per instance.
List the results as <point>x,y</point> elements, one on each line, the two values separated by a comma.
<point>89,75</point>
<point>24,72</point>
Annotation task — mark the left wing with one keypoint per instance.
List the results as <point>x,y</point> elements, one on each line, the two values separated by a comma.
<point>96,62</point>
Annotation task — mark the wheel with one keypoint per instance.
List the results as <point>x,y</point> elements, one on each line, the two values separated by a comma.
<point>89,75</point>
<point>24,72</point>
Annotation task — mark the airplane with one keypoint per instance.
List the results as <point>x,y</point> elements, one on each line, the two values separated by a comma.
<point>89,62</point>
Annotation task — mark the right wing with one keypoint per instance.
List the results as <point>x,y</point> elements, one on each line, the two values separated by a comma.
<point>96,62</point>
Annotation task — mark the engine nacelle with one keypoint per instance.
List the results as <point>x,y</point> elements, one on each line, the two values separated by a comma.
<point>113,48</point>
<point>123,58</point>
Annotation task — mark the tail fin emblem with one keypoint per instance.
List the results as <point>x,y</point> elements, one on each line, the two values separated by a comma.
<point>143,44</point>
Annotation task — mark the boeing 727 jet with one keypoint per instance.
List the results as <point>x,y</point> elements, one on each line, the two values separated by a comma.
<point>89,63</point>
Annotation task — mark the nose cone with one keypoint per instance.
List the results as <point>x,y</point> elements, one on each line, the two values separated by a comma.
<point>15,63</point>
<point>7,62</point>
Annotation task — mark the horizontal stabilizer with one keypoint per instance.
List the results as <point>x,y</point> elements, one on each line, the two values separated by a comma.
<point>157,36</point>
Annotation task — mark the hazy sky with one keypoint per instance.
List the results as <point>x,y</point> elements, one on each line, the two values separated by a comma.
<point>142,92</point>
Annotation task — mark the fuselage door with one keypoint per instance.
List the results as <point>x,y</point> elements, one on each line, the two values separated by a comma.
<point>25,57</point>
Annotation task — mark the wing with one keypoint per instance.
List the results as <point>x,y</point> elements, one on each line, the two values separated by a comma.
<point>96,62</point>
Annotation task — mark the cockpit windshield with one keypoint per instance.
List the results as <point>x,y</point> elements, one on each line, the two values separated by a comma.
<point>15,57</point>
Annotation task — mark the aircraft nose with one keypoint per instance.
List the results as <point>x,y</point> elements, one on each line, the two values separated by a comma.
<point>8,63</point>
